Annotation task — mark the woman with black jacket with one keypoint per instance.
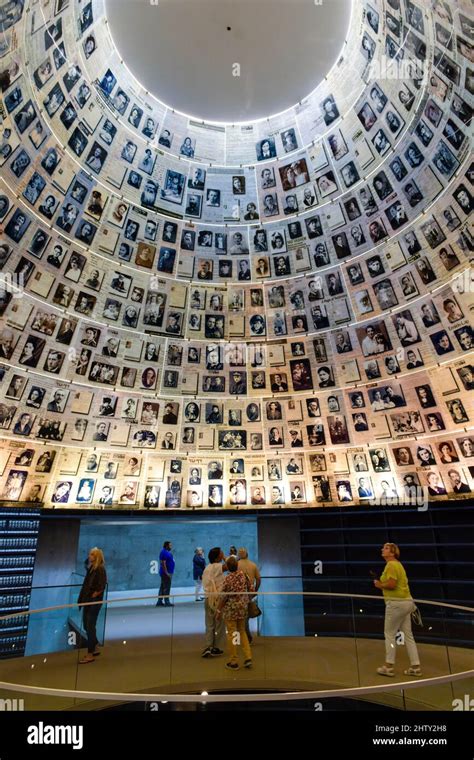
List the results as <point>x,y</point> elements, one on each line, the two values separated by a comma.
<point>92,591</point>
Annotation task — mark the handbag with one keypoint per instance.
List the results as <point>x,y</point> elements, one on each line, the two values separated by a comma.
<point>416,617</point>
<point>254,610</point>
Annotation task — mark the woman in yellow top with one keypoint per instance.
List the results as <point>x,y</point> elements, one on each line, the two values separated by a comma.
<point>398,608</point>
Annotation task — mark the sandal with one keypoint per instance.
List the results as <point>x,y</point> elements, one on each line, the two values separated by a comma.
<point>384,671</point>
<point>414,670</point>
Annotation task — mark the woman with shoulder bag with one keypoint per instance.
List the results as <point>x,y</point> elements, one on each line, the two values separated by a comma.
<point>399,607</point>
<point>92,591</point>
<point>233,606</point>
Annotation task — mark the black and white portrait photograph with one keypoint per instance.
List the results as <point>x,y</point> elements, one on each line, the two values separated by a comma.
<point>25,116</point>
<point>173,187</point>
<point>54,100</point>
<point>17,225</point>
<point>289,140</point>
<point>329,110</point>
<point>194,205</point>
<point>20,163</point>
<point>266,149</point>
<point>96,158</point>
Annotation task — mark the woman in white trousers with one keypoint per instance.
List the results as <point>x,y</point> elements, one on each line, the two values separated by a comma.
<point>399,606</point>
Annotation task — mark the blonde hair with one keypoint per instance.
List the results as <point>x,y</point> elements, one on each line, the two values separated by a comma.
<point>232,564</point>
<point>394,549</point>
<point>98,560</point>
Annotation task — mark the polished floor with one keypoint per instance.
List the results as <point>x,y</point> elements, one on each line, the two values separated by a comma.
<point>162,656</point>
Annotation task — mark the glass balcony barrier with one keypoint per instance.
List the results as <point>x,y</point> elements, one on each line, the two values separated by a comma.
<point>305,646</point>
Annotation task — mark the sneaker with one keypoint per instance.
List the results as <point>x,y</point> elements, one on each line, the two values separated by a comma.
<point>232,665</point>
<point>414,670</point>
<point>248,664</point>
<point>207,652</point>
<point>215,652</point>
<point>384,671</point>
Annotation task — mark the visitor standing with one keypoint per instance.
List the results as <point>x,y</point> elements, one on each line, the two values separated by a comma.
<point>251,571</point>
<point>399,606</point>
<point>166,574</point>
<point>233,606</point>
<point>212,581</point>
<point>199,563</point>
<point>92,590</point>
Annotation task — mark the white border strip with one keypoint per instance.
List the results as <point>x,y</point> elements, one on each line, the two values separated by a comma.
<point>252,697</point>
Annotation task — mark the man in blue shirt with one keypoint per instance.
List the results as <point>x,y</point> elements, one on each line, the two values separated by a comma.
<point>166,574</point>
